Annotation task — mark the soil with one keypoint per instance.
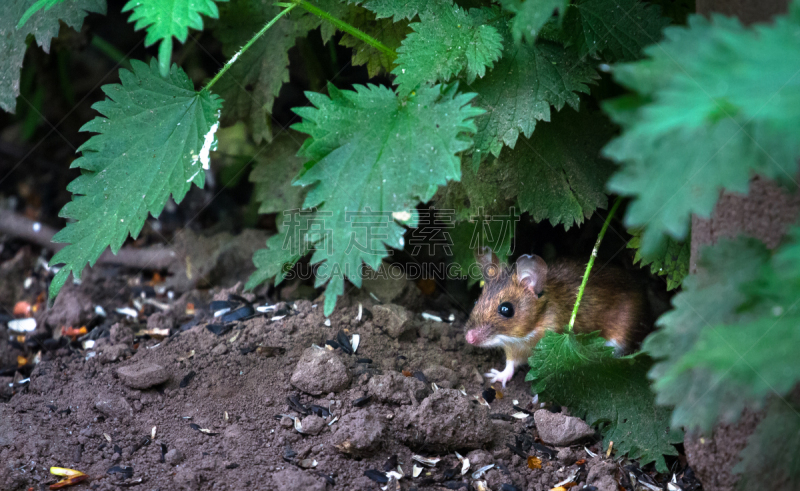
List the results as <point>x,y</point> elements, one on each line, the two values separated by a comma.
<point>218,405</point>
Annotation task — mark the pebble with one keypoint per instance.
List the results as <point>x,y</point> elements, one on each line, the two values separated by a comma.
<point>320,371</point>
<point>142,375</point>
<point>559,429</point>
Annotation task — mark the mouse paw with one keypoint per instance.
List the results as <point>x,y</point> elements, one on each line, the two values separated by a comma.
<point>503,377</point>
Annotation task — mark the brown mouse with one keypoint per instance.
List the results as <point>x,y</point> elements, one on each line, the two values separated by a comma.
<point>522,301</point>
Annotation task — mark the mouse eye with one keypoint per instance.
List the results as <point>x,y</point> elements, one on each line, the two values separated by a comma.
<point>506,310</point>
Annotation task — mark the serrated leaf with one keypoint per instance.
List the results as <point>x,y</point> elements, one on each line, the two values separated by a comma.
<point>709,298</point>
<point>617,29</point>
<point>581,372</point>
<point>396,9</point>
<point>275,168</point>
<point>492,190</point>
<point>495,232</point>
<point>39,5</point>
<point>557,175</point>
<point>43,25</point>
<point>152,142</point>
<point>447,41</point>
<point>374,154</point>
<point>252,83</point>
<point>390,33</point>
<point>519,91</point>
<point>716,104</point>
<point>752,354</point>
<point>284,249</point>
<point>164,19</point>
<point>531,15</point>
<point>671,261</point>
<point>775,445</point>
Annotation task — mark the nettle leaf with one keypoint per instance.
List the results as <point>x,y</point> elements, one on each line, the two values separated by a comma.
<point>559,173</point>
<point>275,168</point>
<point>447,41</point>
<point>374,156</point>
<point>519,91</point>
<point>167,18</point>
<point>390,33</point>
<point>581,372</point>
<point>531,16</point>
<point>710,297</point>
<point>284,249</point>
<point>617,29</point>
<point>715,104</point>
<point>152,142</point>
<point>253,82</point>
<point>775,445</point>
<point>671,261</point>
<point>495,232</point>
<point>753,354</point>
<point>396,9</point>
<point>43,25</point>
<point>491,190</point>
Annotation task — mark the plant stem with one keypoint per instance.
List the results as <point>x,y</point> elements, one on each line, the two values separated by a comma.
<point>260,33</point>
<point>591,263</point>
<point>344,26</point>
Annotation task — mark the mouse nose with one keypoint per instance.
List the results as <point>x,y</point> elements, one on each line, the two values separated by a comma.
<point>471,337</point>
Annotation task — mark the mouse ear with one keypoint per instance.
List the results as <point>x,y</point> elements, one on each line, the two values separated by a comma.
<point>488,262</point>
<point>532,273</point>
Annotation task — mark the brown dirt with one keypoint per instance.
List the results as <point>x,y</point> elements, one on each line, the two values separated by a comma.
<point>90,412</point>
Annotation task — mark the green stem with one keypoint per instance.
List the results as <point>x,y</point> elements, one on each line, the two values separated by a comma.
<point>111,51</point>
<point>344,26</point>
<point>247,46</point>
<point>591,263</point>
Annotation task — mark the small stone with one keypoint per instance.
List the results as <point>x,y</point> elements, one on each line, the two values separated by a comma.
<point>142,375</point>
<point>446,420</point>
<point>359,433</point>
<point>287,422</point>
<point>113,406</point>
<point>395,388</point>
<point>559,429</point>
<point>114,352</point>
<point>395,320</point>
<point>173,457</point>
<point>219,349</point>
<point>566,456</point>
<point>320,371</point>
<point>313,425</point>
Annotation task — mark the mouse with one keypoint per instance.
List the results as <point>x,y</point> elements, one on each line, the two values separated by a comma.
<point>522,301</point>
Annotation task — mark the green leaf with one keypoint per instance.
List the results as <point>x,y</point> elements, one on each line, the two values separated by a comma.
<point>275,168</point>
<point>152,142</point>
<point>492,190</point>
<point>531,15</point>
<point>671,261</point>
<point>709,298</point>
<point>617,29</point>
<point>391,34</point>
<point>716,104</point>
<point>447,41</point>
<point>43,25</point>
<point>581,372</point>
<point>374,156</point>
<point>40,4</point>
<point>396,9</point>
<point>775,445</point>
<point>495,232</point>
<point>558,174</point>
<point>167,18</point>
<point>753,354</point>
<point>519,91</point>
<point>253,82</point>
<point>283,250</point>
